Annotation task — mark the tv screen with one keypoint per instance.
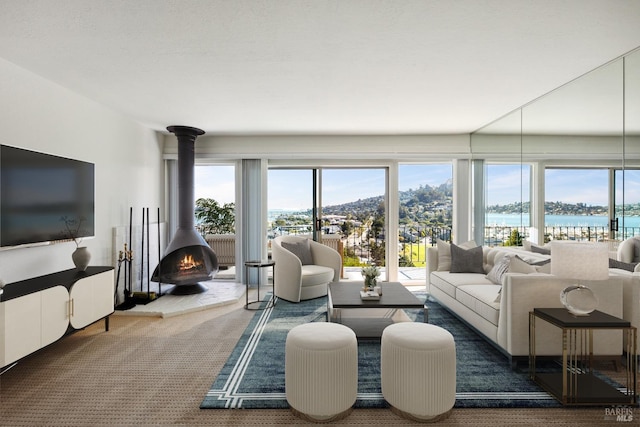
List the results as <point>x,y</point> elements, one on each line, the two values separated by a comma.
<point>40,194</point>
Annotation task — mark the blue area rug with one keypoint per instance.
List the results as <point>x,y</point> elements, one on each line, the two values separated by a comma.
<point>253,376</point>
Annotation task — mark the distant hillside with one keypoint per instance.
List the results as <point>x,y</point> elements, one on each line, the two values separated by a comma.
<point>424,205</point>
<point>432,206</point>
<point>560,208</point>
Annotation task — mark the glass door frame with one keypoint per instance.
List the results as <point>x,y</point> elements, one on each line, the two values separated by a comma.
<point>391,199</point>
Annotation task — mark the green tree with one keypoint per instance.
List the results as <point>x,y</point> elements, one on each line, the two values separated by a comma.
<point>404,261</point>
<point>347,228</point>
<point>377,253</point>
<point>515,239</point>
<point>213,218</point>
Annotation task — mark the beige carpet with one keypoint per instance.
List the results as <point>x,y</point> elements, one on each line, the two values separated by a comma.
<point>153,371</point>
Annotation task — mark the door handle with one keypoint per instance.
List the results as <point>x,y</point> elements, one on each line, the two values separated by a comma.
<point>613,225</point>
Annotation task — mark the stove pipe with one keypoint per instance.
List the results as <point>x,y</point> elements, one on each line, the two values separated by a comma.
<point>187,243</point>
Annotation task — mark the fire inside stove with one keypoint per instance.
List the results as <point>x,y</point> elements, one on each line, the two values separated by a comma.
<point>187,265</point>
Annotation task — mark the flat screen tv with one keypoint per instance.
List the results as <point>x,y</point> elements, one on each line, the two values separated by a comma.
<point>39,193</point>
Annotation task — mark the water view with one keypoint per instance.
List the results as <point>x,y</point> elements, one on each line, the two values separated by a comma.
<point>514,220</point>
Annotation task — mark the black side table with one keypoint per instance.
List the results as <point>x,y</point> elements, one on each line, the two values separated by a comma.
<point>576,384</point>
<point>259,264</point>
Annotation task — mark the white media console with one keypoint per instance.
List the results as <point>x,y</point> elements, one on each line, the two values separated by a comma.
<point>37,312</point>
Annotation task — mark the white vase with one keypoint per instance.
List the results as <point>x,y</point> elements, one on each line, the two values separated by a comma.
<point>81,257</point>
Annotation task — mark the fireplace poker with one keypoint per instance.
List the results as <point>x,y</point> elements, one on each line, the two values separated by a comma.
<point>159,280</point>
<point>148,266</point>
<point>142,253</point>
<point>130,239</point>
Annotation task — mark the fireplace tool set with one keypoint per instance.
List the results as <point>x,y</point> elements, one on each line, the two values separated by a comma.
<point>126,259</point>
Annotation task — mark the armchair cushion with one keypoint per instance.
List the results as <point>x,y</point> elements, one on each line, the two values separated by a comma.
<point>300,249</point>
<point>313,275</point>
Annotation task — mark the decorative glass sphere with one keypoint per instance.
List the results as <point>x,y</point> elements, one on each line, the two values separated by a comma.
<point>579,300</point>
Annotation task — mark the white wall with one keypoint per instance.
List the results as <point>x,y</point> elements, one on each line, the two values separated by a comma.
<point>39,115</point>
<point>350,148</point>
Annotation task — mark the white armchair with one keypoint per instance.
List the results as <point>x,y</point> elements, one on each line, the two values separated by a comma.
<point>306,273</point>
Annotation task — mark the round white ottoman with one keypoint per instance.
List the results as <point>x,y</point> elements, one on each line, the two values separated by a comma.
<point>418,370</point>
<point>321,370</point>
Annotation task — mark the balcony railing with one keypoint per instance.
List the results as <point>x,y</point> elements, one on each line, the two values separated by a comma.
<point>359,245</point>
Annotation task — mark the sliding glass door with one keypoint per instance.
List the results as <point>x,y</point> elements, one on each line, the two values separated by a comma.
<point>577,204</point>
<point>425,198</point>
<point>627,204</point>
<point>341,207</point>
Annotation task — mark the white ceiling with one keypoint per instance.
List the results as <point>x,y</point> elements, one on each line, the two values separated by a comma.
<point>316,66</point>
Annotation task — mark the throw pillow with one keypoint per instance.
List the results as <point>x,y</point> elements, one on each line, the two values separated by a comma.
<point>499,297</point>
<point>538,263</point>
<point>300,249</point>
<point>540,250</point>
<point>444,255</point>
<point>626,250</point>
<point>466,260</point>
<point>628,266</point>
<point>499,269</point>
<point>636,250</point>
<point>543,266</point>
<point>518,265</point>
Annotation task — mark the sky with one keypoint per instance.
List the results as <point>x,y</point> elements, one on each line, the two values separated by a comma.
<point>291,189</point>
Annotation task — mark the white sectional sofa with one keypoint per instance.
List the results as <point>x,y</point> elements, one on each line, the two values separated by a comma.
<point>629,253</point>
<point>500,312</point>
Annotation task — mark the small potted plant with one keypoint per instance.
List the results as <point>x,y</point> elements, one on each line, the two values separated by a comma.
<point>370,274</point>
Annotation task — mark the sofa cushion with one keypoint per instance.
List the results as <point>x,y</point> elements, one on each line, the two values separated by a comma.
<point>481,299</point>
<point>448,282</point>
<point>466,260</point>
<point>300,249</point>
<point>313,275</point>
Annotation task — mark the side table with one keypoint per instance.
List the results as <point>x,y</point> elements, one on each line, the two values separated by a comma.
<point>259,264</point>
<point>576,384</point>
